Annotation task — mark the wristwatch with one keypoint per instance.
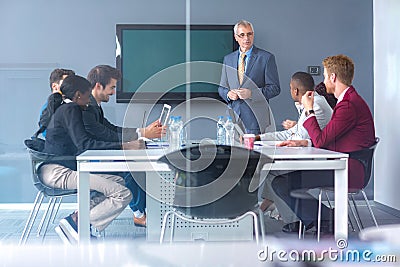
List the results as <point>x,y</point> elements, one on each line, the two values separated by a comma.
<point>309,112</point>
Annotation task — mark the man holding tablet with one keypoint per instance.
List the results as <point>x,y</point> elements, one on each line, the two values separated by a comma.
<point>103,79</point>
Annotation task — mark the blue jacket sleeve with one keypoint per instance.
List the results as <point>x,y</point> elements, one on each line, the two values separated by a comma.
<point>223,88</point>
<point>271,88</point>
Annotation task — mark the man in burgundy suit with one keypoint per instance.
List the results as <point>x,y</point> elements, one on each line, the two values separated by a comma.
<point>351,128</point>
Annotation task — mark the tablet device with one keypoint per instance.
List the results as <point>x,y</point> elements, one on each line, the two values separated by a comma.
<point>165,114</point>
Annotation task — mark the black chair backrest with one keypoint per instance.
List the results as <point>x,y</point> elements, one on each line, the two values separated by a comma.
<point>215,181</point>
<point>365,156</point>
<point>35,147</point>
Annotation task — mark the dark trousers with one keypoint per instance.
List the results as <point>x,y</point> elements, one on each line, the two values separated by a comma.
<point>136,186</point>
<point>138,201</point>
<point>307,210</point>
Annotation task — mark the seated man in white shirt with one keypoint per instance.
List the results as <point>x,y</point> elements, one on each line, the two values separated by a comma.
<point>300,83</point>
<point>320,89</point>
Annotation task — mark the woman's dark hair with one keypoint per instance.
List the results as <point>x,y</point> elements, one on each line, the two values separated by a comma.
<point>72,84</point>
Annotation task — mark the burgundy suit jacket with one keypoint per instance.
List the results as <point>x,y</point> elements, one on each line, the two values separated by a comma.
<point>351,128</point>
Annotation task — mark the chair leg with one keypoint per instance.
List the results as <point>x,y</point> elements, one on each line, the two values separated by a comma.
<point>58,208</point>
<point>164,225</point>
<point>331,207</point>
<point>348,215</point>
<point>369,208</point>
<point>354,215</point>
<point>31,219</point>
<point>302,229</point>
<point>262,224</point>
<point>171,237</point>
<point>319,215</point>
<point>255,221</point>
<point>351,223</point>
<point>356,209</point>
<point>43,220</point>
<point>327,198</point>
<point>48,221</point>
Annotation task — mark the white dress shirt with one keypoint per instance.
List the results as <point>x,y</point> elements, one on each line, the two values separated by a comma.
<point>323,112</point>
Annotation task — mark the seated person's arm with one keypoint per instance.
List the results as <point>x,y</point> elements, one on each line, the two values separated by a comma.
<point>294,143</point>
<point>287,124</point>
<point>101,131</point>
<point>153,130</point>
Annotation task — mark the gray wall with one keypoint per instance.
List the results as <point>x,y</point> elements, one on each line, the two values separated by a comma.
<point>387,98</point>
<point>39,35</point>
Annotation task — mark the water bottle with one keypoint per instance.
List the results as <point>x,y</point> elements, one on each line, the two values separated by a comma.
<point>220,131</point>
<point>182,132</point>
<point>230,132</point>
<point>174,140</point>
<point>166,137</point>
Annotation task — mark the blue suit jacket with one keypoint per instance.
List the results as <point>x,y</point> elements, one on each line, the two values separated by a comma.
<point>261,78</point>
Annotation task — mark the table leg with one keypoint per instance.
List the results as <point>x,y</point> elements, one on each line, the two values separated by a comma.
<point>83,207</point>
<point>153,209</point>
<point>341,183</point>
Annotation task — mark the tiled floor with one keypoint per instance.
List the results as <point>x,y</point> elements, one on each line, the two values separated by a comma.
<point>13,218</point>
<point>12,222</point>
<point>127,246</point>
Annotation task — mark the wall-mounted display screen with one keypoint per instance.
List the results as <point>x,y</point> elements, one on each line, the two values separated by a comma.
<point>152,61</point>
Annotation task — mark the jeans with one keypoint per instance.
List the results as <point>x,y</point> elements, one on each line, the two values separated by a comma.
<point>138,201</point>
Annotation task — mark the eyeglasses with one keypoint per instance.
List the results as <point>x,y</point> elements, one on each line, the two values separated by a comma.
<point>242,35</point>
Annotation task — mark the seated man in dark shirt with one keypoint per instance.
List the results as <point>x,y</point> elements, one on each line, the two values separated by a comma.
<point>54,100</point>
<point>103,79</point>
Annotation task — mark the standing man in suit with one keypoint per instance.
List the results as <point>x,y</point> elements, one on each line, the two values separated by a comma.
<point>103,80</point>
<point>249,79</point>
<point>351,128</point>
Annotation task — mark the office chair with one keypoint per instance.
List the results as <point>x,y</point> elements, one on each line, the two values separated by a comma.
<point>214,184</point>
<point>365,157</point>
<point>34,147</point>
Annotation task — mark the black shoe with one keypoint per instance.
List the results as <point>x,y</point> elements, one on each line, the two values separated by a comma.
<point>294,227</point>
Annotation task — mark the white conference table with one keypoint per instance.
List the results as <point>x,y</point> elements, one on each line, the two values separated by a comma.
<point>284,158</point>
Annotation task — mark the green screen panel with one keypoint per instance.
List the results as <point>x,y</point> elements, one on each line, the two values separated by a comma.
<point>146,51</point>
